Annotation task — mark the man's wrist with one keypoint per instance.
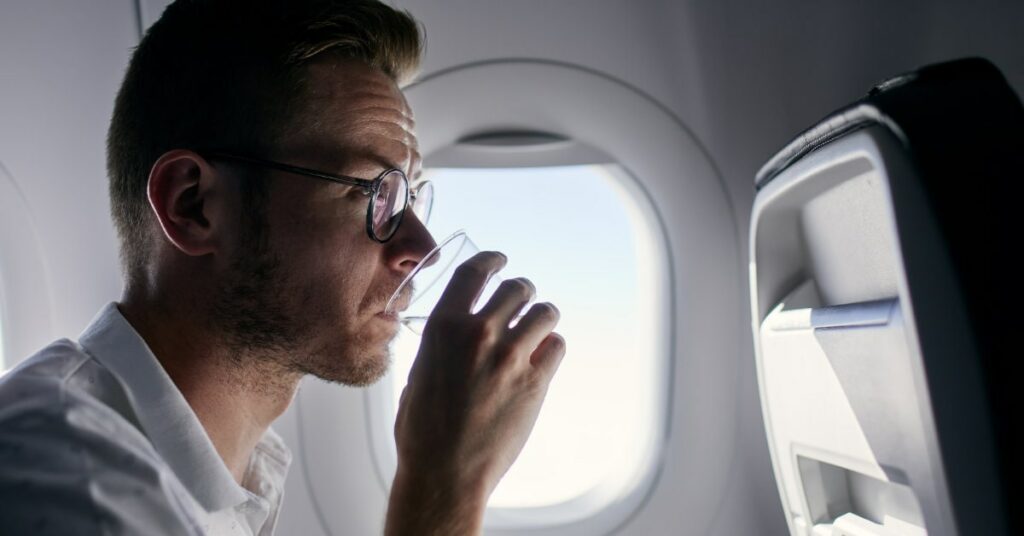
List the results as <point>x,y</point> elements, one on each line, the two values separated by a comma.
<point>422,505</point>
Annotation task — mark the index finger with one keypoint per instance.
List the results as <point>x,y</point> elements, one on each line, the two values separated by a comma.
<point>469,281</point>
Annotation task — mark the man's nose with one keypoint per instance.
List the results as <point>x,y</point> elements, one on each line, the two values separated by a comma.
<point>410,244</point>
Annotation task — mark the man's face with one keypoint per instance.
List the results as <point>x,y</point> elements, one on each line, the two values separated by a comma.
<point>312,285</point>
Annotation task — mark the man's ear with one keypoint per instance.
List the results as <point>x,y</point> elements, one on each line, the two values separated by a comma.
<point>187,197</point>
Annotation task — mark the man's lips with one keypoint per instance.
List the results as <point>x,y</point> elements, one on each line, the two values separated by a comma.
<point>388,316</point>
<point>401,304</point>
<point>398,307</point>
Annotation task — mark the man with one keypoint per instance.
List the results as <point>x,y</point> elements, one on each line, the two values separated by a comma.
<point>259,155</point>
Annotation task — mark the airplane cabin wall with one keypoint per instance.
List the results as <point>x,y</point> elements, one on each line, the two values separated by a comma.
<point>742,76</point>
<point>60,66</point>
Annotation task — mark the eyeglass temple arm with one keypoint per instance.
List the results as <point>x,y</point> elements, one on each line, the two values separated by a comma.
<point>351,181</point>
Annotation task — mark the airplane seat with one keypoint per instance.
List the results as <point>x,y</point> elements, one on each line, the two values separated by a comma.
<point>886,308</point>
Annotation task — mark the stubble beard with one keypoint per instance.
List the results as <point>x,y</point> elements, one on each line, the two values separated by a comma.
<point>263,320</point>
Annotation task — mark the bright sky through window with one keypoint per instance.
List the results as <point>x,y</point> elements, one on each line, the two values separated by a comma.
<point>576,234</point>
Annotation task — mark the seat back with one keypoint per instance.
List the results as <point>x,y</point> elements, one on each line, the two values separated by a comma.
<point>885,306</point>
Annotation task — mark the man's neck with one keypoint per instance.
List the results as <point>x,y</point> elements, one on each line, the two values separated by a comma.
<point>235,397</point>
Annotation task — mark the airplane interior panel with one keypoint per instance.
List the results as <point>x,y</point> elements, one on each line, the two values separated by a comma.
<point>777,239</point>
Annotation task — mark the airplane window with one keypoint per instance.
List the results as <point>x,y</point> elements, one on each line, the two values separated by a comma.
<point>577,234</point>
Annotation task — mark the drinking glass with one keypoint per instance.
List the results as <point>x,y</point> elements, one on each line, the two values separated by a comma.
<point>420,291</point>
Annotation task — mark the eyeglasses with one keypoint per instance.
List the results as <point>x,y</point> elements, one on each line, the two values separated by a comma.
<point>389,193</point>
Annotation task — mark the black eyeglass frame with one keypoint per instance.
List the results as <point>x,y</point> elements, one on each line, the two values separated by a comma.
<point>370,187</point>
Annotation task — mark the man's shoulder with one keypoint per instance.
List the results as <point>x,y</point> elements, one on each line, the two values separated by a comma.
<point>62,393</point>
<point>58,361</point>
<point>62,379</point>
<point>55,405</point>
<point>69,460</point>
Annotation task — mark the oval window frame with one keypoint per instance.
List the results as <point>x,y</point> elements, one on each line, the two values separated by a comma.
<point>600,506</point>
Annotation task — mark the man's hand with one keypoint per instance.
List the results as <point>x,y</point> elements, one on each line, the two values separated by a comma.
<point>472,399</point>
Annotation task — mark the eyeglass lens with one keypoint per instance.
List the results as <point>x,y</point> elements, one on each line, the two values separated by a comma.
<point>424,202</point>
<point>389,203</point>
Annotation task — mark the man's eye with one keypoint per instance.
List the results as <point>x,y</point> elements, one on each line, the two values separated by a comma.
<point>357,192</point>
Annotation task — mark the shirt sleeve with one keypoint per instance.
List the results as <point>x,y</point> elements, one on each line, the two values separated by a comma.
<point>69,465</point>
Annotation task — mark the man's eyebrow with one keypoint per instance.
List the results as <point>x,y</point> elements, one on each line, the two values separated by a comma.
<point>368,169</point>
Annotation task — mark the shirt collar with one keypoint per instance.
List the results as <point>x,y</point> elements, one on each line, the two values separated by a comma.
<point>165,416</point>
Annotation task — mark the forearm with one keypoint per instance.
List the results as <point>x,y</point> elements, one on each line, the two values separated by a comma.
<point>418,507</point>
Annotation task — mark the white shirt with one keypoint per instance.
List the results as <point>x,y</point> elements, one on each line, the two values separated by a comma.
<point>96,439</point>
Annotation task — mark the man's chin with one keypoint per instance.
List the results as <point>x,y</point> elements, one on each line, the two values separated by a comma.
<point>353,371</point>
